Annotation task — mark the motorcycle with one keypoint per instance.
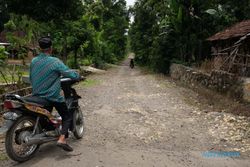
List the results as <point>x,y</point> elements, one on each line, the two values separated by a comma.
<point>29,123</point>
<point>132,64</point>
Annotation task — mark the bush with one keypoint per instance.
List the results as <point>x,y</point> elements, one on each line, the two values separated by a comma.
<point>85,62</point>
<point>99,63</point>
<point>10,26</point>
<point>71,61</point>
<point>3,55</point>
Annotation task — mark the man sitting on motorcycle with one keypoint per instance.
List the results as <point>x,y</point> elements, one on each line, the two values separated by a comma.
<point>45,74</point>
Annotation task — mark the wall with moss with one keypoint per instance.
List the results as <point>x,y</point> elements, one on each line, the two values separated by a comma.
<point>220,81</point>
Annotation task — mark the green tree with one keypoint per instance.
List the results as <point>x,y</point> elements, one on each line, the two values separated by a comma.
<point>176,30</point>
<point>3,54</point>
<point>4,15</point>
<point>47,10</point>
<point>115,28</point>
<point>93,30</point>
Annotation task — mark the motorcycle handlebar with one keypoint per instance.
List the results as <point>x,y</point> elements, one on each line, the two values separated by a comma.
<point>81,78</point>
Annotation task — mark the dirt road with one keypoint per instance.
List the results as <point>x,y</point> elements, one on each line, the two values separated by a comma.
<point>138,119</point>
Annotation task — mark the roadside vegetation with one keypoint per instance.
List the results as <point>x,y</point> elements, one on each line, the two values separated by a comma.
<point>90,83</point>
<point>84,32</point>
<point>169,31</point>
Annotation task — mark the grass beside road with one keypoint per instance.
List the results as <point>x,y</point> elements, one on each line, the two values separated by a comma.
<point>90,83</point>
<point>3,157</point>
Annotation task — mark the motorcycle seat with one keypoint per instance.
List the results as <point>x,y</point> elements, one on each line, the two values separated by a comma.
<point>37,101</point>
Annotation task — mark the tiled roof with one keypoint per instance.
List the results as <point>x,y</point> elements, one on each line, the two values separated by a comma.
<point>238,30</point>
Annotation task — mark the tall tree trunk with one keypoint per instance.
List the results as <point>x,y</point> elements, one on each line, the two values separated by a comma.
<point>75,57</point>
<point>64,55</point>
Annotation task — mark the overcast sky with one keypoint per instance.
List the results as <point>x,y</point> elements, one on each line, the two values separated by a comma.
<point>130,2</point>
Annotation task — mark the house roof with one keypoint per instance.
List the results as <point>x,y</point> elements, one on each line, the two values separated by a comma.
<point>15,33</point>
<point>237,30</point>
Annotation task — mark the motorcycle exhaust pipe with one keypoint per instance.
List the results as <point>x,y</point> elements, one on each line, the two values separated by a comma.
<point>39,139</point>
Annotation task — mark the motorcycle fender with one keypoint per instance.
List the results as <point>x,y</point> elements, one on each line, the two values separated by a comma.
<point>10,118</point>
<point>6,126</point>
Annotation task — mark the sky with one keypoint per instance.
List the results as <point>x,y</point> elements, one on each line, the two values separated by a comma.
<point>130,2</point>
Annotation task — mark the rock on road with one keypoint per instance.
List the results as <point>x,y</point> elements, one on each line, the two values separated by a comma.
<point>137,119</point>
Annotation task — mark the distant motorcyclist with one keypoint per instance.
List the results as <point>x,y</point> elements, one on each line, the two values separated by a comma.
<point>132,64</point>
<point>45,73</point>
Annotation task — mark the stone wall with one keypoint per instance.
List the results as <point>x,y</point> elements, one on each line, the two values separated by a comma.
<point>219,81</point>
<point>246,89</point>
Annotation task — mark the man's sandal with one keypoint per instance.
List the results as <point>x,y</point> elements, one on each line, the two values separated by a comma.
<point>64,146</point>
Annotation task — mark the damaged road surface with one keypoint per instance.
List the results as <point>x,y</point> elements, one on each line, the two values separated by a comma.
<point>137,119</point>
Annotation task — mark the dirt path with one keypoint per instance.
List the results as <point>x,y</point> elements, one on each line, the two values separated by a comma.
<point>139,119</point>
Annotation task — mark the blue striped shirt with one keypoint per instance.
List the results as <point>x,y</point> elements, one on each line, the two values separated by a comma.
<point>45,74</point>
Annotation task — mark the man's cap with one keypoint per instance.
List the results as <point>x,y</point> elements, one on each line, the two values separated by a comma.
<point>45,42</point>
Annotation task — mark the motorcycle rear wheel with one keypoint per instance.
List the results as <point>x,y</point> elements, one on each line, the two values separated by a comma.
<point>14,139</point>
<point>78,122</point>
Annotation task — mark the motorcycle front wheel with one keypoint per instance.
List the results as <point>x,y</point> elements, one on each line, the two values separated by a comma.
<point>15,146</point>
<point>78,122</point>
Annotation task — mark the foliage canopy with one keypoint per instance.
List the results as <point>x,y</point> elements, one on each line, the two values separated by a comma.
<point>166,31</point>
<point>81,29</point>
